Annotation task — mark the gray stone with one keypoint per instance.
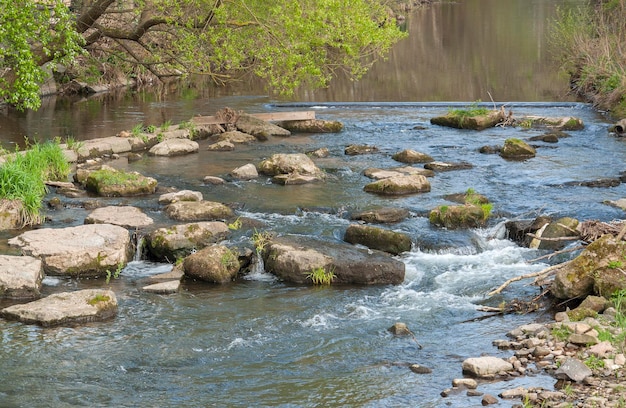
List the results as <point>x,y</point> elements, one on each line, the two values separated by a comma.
<point>68,308</point>
<point>182,195</point>
<point>215,264</point>
<point>221,146</point>
<point>163,287</point>
<point>178,241</point>
<point>378,238</point>
<point>572,369</point>
<point>486,366</point>
<point>235,137</point>
<point>379,174</point>
<point>124,216</point>
<point>399,185</point>
<point>489,399</point>
<point>85,250</point>
<point>174,147</point>
<point>214,180</point>
<point>20,276</point>
<point>245,172</point>
<point>289,163</point>
<point>411,156</point>
<point>258,127</point>
<point>198,211</point>
<point>100,147</point>
<point>386,215</point>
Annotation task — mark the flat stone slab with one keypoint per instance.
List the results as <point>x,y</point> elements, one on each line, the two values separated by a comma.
<point>486,366</point>
<point>124,216</point>
<point>107,145</point>
<point>85,250</point>
<point>163,287</point>
<point>67,309</point>
<point>174,147</point>
<point>182,195</point>
<point>20,276</point>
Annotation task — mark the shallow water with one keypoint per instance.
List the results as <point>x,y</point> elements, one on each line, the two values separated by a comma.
<point>260,342</point>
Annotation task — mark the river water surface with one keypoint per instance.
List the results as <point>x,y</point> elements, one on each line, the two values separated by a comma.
<point>260,342</point>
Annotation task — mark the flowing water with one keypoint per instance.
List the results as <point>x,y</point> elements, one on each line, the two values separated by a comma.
<point>260,342</point>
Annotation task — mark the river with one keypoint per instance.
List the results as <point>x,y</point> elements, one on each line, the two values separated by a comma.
<point>260,342</point>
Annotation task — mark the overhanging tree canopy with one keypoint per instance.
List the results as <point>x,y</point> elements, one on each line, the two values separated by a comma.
<point>288,42</point>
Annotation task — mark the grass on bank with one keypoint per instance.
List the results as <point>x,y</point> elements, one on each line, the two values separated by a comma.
<point>590,44</point>
<point>23,176</point>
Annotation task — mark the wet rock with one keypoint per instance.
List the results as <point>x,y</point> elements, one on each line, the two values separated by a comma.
<point>558,234</point>
<point>319,153</point>
<point>400,329</point>
<point>443,166</point>
<point>489,399</point>
<point>258,127</point>
<point>355,150</point>
<point>124,216</point>
<point>386,215</point>
<point>518,231</point>
<point>546,138</point>
<point>182,195</point>
<point>174,147</point>
<point>292,258</point>
<point>558,123</point>
<point>378,238</point>
<point>68,308</point>
<point>458,216</point>
<point>245,172</point>
<point>198,211</point>
<point>178,241</point>
<point>312,126</point>
<point>420,369</point>
<point>411,156</point>
<point>379,174</point>
<point>85,250</point>
<point>517,149</point>
<point>490,149</point>
<point>222,146</point>
<point>214,180</point>
<point>485,367</point>
<point>236,137</point>
<point>478,122</point>
<point>289,163</point>
<point>294,179</point>
<point>20,277</point>
<point>572,369</point>
<point>215,264</point>
<point>468,383</point>
<point>399,185</point>
<point>163,288</point>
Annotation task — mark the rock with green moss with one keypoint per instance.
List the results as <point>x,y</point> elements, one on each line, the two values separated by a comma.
<point>287,164</point>
<point>517,149</point>
<point>459,216</point>
<point>215,264</point>
<point>399,185</point>
<point>558,123</point>
<point>378,238</point>
<point>597,270</point>
<point>312,126</point>
<point>198,211</point>
<point>385,215</point>
<point>474,119</point>
<point>176,242</point>
<point>109,182</point>
<point>66,309</point>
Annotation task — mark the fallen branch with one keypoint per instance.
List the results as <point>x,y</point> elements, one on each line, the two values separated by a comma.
<point>552,239</point>
<point>541,273</point>
<point>550,255</point>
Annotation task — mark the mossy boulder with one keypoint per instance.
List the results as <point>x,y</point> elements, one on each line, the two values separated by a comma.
<point>178,241</point>
<point>215,264</point>
<point>288,164</point>
<point>411,156</point>
<point>466,119</point>
<point>517,149</point>
<point>558,123</point>
<point>597,270</point>
<point>378,238</point>
<point>108,182</point>
<point>399,185</point>
<point>312,126</point>
<point>458,216</point>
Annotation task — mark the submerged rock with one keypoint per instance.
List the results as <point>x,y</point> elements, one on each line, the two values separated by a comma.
<point>386,215</point>
<point>378,238</point>
<point>312,126</point>
<point>355,150</point>
<point>68,308</point>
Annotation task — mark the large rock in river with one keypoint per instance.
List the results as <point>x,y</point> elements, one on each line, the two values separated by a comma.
<point>378,238</point>
<point>292,258</point>
<point>178,241</point>
<point>215,264</point>
<point>124,216</point>
<point>109,182</point>
<point>517,149</point>
<point>258,127</point>
<point>598,269</point>
<point>198,211</point>
<point>174,147</point>
<point>86,250</point>
<point>476,122</point>
<point>289,163</point>
<point>399,185</point>
<point>69,308</point>
<point>312,126</point>
<point>20,276</point>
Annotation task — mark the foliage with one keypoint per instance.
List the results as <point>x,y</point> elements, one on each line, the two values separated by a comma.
<point>594,362</point>
<point>235,225</point>
<point>321,276</point>
<point>98,298</point>
<point>116,274</point>
<point>288,43</point>
<point>561,333</point>
<point>261,240</point>
<point>619,300</point>
<point>589,43</point>
<point>23,176</point>
<point>32,35</point>
<point>470,111</point>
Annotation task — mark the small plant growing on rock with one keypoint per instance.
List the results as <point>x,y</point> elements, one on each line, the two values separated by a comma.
<point>473,110</point>
<point>594,362</point>
<point>235,225</point>
<point>321,276</point>
<point>561,333</point>
<point>166,125</point>
<point>98,298</point>
<point>137,129</point>
<point>261,240</point>
<point>229,258</point>
<point>115,274</point>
